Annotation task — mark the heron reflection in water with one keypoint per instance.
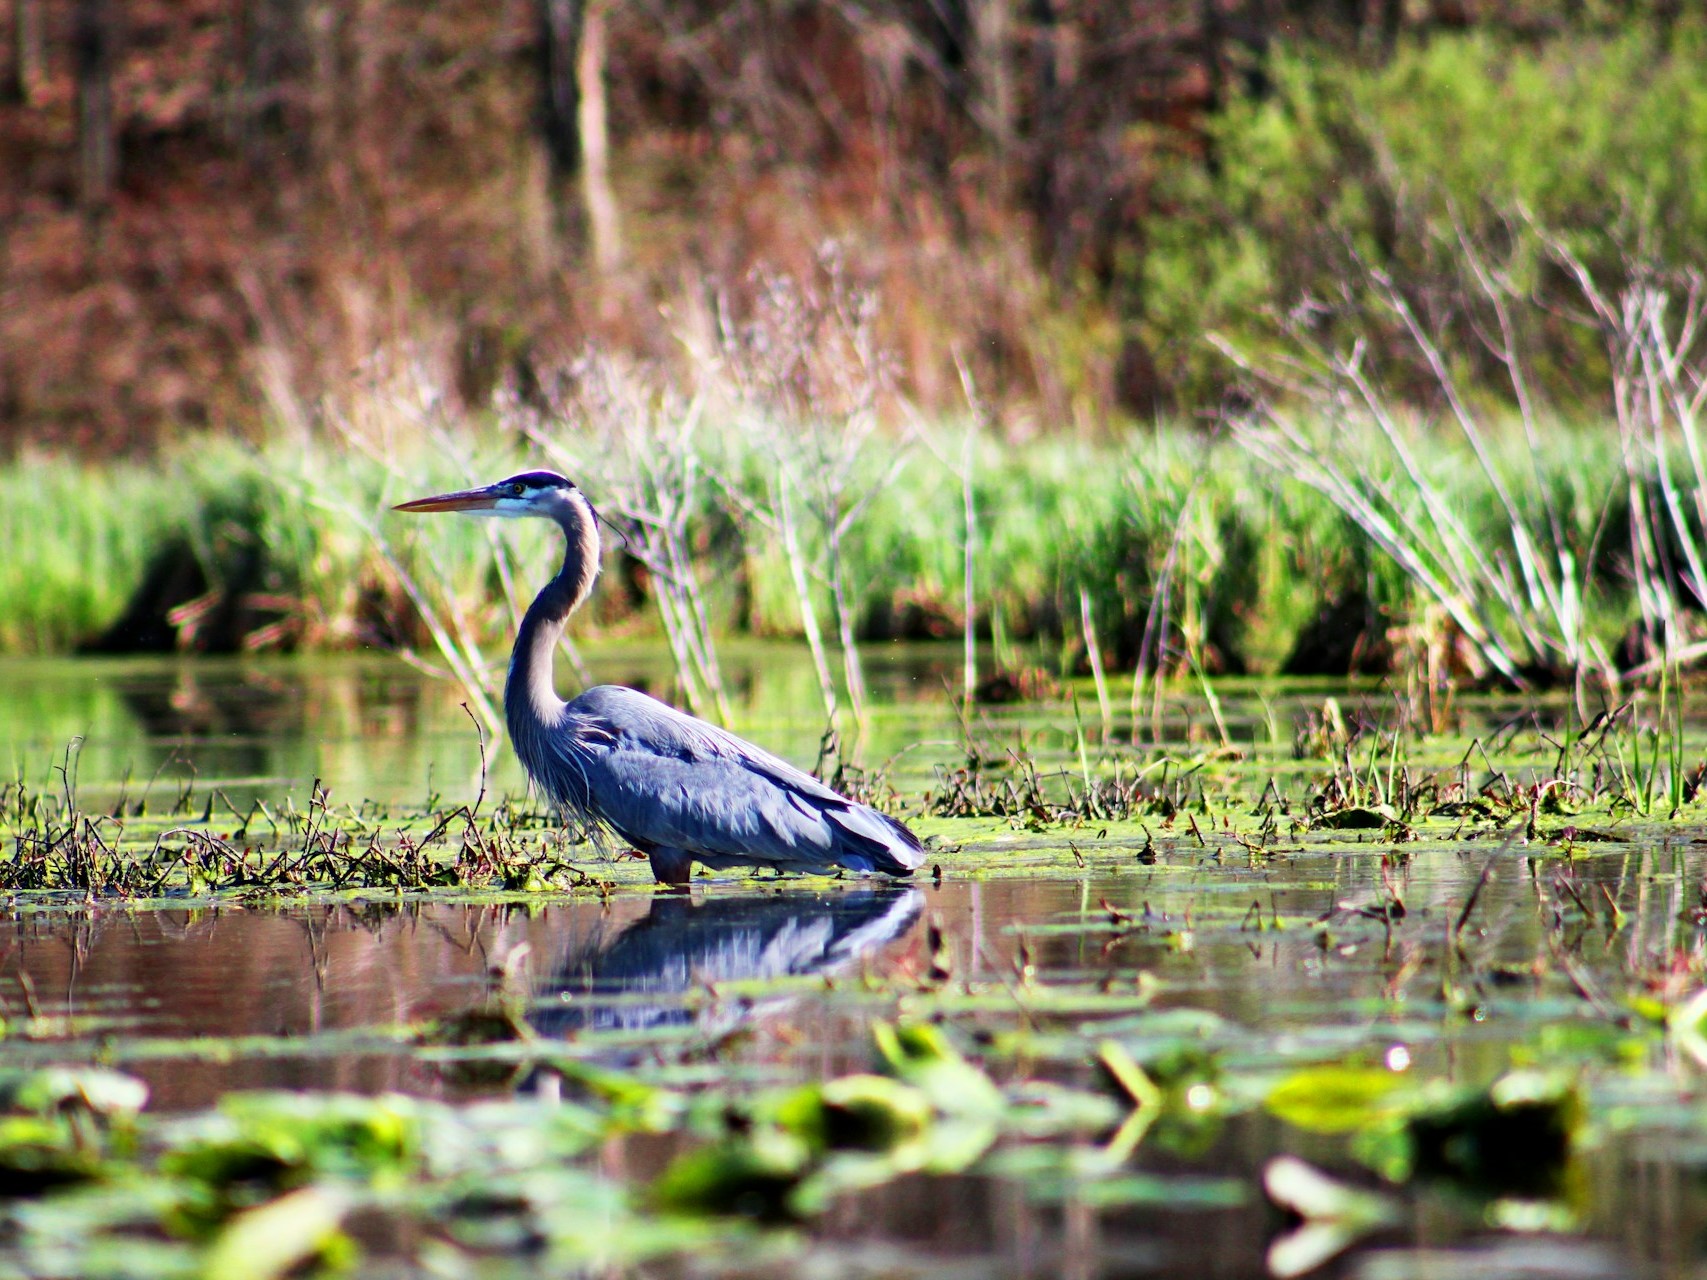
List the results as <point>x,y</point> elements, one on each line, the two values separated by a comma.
<point>636,983</point>
<point>675,787</point>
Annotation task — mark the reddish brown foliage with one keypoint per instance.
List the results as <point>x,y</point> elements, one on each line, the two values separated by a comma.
<point>297,186</point>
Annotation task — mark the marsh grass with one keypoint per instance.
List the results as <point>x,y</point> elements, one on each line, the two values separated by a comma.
<point>1166,551</point>
<point>199,843</point>
<point>1373,769</point>
<point>1054,519</point>
<point>1576,527</point>
<point>79,541</point>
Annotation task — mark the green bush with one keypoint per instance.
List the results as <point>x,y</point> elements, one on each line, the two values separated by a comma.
<point>1602,140</point>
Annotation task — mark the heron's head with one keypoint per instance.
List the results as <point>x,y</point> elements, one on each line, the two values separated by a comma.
<point>532,493</point>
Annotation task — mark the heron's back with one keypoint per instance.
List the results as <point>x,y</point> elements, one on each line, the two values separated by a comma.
<point>663,779</point>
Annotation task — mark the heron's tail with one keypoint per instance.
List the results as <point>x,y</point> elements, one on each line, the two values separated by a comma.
<point>873,841</point>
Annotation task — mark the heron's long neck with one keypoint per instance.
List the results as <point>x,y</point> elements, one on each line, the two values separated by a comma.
<point>529,690</point>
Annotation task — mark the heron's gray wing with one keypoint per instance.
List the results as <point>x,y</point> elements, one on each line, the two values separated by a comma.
<point>668,780</point>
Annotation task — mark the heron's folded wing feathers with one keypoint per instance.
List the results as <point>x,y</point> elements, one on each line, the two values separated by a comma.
<point>663,778</point>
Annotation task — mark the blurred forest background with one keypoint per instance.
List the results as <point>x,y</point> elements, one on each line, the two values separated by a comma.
<point>213,213</point>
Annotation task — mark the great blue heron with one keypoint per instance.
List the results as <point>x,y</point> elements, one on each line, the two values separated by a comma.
<point>676,788</point>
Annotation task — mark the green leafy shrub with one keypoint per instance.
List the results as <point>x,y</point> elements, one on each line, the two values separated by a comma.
<point>1341,168</point>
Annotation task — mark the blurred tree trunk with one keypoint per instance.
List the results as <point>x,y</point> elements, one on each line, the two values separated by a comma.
<point>603,226</point>
<point>1214,37</point>
<point>992,72</point>
<point>945,28</point>
<point>277,54</point>
<point>1389,16</point>
<point>325,83</point>
<point>560,90</point>
<point>24,76</point>
<point>1048,142</point>
<point>94,50</point>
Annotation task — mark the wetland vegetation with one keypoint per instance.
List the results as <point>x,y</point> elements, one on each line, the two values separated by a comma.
<point>1411,960</point>
<point>1405,971</point>
<point>1272,583</point>
<point>1170,543</point>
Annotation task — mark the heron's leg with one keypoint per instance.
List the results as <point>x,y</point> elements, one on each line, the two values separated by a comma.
<point>671,866</point>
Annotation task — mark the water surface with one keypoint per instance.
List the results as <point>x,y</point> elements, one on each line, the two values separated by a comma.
<point>1250,962</point>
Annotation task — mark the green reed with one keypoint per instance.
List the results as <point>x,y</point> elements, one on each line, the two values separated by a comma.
<point>1171,548</point>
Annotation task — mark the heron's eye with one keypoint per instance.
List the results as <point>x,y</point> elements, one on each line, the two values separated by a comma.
<point>518,488</point>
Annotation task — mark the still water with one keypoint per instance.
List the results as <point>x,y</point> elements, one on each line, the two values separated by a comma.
<point>1257,965</point>
<point>199,1002</point>
<point>373,728</point>
<point>370,727</point>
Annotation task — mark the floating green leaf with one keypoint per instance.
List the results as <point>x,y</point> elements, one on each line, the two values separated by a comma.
<point>921,1055</point>
<point>858,1113</point>
<point>753,1176</point>
<point>277,1237</point>
<point>1335,1099</point>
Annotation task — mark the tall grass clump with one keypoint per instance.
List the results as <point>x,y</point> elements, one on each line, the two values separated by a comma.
<point>78,540</point>
<point>1187,550</point>
<point>1653,324</point>
<point>804,381</point>
<point>457,578</point>
<point>770,451</point>
<point>633,440</point>
<point>243,524</point>
<point>1440,260</point>
<point>1574,527</point>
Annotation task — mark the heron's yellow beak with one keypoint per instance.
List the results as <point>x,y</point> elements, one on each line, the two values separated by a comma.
<point>485,499</point>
